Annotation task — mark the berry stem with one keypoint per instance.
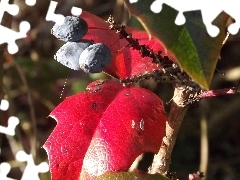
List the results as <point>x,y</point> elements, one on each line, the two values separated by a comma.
<point>186,93</point>
<point>170,72</point>
<point>143,49</point>
<point>184,88</point>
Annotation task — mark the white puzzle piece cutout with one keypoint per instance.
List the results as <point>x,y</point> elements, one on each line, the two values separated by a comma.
<point>51,16</point>
<point>10,129</point>
<point>4,170</point>
<point>209,9</point>
<point>12,9</point>
<point>31,170</point>
<point>58,18</point>
<point>8,35</point>
<point>208,13</point>
<point>133,1</point>
<point>4,105</point>
<point>30,2</point>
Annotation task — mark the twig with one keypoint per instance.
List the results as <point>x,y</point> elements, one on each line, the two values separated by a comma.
<point>186,93</point>
<point>204,145</point>
<point>143,49</point>
<point>162,160</point>
<point>32,111</point>
<point>170,72</point>
<point>184,89</point>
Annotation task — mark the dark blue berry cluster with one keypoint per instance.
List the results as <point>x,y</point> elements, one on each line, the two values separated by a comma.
<point>78,53</point>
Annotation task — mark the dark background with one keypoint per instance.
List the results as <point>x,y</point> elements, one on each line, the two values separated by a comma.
<point>33,83</point>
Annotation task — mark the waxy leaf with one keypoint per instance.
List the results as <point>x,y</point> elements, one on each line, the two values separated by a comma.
<point>195,50</point>
<point>136,174</point>
<point>126,62</point>
<point>104,129</point>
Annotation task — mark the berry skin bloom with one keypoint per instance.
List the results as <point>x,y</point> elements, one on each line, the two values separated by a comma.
<point>69,53</point>
<point>73,29</point>
<point>95,58</point>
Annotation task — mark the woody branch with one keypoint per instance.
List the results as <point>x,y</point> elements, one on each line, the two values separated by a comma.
<point>186,93</point>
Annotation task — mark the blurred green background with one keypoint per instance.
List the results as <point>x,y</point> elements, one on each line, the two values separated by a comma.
<point>34,83</point>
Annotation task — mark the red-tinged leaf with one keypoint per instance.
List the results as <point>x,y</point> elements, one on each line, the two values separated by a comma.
<point>195,50</point>
<point>104,129</point>
<point>99,31</point>
<point>126,62</point>
<point>136,174</point>
<point>77,117</point>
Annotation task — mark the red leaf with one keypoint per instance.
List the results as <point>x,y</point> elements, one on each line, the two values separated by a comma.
<point>104,129</point>
<point>126,62</point>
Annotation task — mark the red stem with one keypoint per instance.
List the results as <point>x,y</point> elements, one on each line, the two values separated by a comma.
<point>219,92</point>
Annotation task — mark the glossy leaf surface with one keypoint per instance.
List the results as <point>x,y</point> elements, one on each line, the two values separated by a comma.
<point>195,50</point>
<point>126,62</point>
<point>104,129</point>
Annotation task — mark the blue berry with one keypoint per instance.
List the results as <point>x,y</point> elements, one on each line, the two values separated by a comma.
<point>69,53</point>
<point>95,58</point>
<point>73,29</point>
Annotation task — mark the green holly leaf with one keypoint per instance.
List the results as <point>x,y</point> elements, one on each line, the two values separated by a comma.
<point>195,50</point>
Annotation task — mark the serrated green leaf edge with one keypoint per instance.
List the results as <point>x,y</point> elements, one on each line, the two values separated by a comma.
<point>178,37</point>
